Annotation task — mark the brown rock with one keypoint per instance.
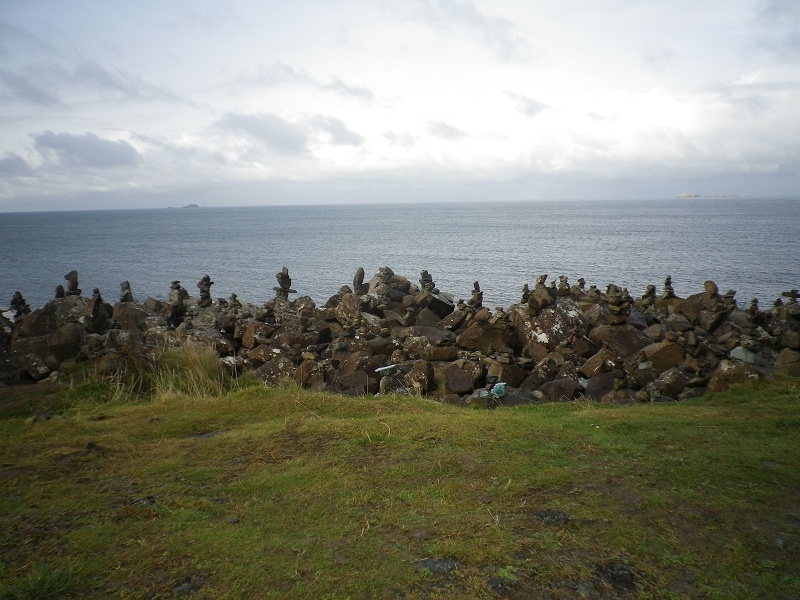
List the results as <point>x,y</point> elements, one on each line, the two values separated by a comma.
<point>453,321</point>
<point>356,383</point>
<point>67,341</point>
<point>486,338</point>
<point>560,390</point>
<point>665,355</point>
<point>32,355</point>
<point>45,321</point>
<point>730,374</point>
<point>130,316</point>
<point>441,353</point>
<point>310,374</point>
<point>276,370</point>
<point>788,363</point>
<point>458,381</point>
<point>255,333</point>
<point>263,354</point>
<point>598,363</point>
<point>622,340</point>
<point>600,385</point>
<point>655,332</point>
<point>672,383</point>
<point>551,326</point>
<point>791,339</point>
<point>420,379</point>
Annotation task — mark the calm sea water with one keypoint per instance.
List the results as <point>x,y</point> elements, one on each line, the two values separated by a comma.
<point>750,245</point>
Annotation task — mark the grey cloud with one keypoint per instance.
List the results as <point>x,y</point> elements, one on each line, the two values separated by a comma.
<point>20,88</point>
<point>495,32</point>
<point>776,10</point>
<point>400,139</point>
<point>272,131</point>
<point>446,131</point>
<point>598,117</point>
<point>279,73</point>
<point>527,106</point>
<point>753,98</point>
<point>92,75</point>
<point>339,132</point>
<point>658,58</point>
<point>41,83</point>
<point>23,42</point>
<point>781,19</point>
<point>13,165</point>
<point>86,150</point>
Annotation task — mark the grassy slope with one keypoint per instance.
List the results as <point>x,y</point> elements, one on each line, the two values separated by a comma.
<point>261,493</point>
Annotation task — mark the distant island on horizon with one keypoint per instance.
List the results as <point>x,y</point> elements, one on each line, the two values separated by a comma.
<point>695,195</point>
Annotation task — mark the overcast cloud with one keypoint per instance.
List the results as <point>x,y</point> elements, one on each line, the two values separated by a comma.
<point>374,101</point>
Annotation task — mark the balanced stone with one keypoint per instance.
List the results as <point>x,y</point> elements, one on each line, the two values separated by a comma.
<point>125,293</point>
<point>72,280</point>
<point>477,296</point>
<point>284,284</point>
<point>204,285</point>
<point>668,292</point>
<point>19,305</point>
<point>177,308</point>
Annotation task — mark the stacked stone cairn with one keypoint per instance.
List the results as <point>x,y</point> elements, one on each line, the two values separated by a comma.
<point>388,335</point>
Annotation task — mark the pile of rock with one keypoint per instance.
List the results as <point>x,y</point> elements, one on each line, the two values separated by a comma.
<point>389,335</point>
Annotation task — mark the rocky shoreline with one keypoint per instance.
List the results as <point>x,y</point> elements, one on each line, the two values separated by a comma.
<point>389,335</point>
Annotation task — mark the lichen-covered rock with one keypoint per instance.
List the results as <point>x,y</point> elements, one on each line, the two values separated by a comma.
<point>551,326</point>
<point>730,374</point>
<point>276,370</point>
<point>420,379</point>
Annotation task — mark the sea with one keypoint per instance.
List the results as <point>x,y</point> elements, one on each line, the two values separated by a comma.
<point>746,244</point>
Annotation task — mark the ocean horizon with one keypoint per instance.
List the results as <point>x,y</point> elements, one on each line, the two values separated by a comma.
<point>742,243</point>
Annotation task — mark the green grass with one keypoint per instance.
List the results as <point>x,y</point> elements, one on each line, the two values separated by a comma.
<point>228,489</point>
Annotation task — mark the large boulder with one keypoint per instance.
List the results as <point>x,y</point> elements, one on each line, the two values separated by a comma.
<point>599,362</point>
<point>420,379</point>
<point>560,390</point>
<point>32,356</point>
<point>516,397</point>
<point>788,363</point>
<point>130,316</point>
<point>622,340</point>
<point>665,355</point>
<point>458,380</point>
<point>276,370</point>
<point>730,374</point>
<point>45,321</point>
<point>67,341</point>
<point>671,383</point>
<point>600,385</point>
<point>486,338</point>
<point>551,326</point>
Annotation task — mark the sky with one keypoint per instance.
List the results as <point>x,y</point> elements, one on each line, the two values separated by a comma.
<point>120,104</point>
